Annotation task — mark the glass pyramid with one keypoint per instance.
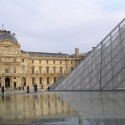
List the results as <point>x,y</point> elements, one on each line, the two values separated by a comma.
<point>103,68</point>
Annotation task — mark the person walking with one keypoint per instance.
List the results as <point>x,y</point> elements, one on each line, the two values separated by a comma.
<point>28,89</point>
<point>35,87</point>
<point>2,89</point>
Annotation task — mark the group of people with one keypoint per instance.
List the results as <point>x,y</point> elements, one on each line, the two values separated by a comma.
<point>35,88</point>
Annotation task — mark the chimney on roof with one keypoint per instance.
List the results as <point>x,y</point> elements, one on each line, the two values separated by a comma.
<point>76,52</point>
<point>14,34</point>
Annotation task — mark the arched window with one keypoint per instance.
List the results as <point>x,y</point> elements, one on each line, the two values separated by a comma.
<point>23,81</point>
<point>7,82</point>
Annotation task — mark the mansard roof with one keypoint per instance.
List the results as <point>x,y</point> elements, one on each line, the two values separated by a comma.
<point>43,54</point>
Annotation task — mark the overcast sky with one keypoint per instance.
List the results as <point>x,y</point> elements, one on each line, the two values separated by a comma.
<point>60,25</point>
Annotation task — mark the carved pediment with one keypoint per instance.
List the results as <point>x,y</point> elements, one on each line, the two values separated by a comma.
<point>9,48</point>
<point>9,43</point>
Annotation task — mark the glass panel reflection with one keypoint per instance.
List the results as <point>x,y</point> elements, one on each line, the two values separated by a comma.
<point>97,108</point>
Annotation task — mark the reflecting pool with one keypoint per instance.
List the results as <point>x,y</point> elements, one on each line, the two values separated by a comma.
<point>64,108</point>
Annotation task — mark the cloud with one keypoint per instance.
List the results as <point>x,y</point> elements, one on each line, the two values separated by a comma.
<point>60,25</point>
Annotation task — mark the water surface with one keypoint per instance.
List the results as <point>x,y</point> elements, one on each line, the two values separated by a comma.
<point>64,108</point>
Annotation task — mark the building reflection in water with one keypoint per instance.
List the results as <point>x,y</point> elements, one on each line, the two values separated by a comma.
<point>69,108</point>
<point>27,108</point>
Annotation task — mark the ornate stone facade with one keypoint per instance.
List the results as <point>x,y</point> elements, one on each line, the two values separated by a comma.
<point>22,68</point>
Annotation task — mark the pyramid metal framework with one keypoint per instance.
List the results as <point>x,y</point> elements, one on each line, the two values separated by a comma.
<point>103,68</point>
<point>55,84</point>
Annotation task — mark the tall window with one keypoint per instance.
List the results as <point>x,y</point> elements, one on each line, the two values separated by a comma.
<point>47,69</point>
<point>41,79</point>
<point>7,69</point>
<point>47,61</point>
<point>22,60</point>
<point>60,69</point>
<point>33,81</point>
<point>60,62</point>
<point>40,69</point>
<point>32,69</point>
<point>54,69</point>
<point>48,80</point>
<point>23,69</point>
<point>14,69</point>
<point>55,79</point>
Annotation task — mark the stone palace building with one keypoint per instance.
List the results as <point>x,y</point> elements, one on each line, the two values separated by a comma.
<point>20,68</point>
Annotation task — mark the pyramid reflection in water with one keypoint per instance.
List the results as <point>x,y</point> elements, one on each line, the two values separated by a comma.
<point>103,68</point>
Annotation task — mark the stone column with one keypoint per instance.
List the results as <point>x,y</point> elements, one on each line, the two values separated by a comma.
<point>11,82</point>
<point>3,81</point>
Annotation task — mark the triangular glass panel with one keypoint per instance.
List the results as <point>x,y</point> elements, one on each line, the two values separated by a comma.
<point>108,86</point>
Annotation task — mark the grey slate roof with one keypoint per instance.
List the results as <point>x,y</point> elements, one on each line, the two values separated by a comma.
<point>43,54</point>
<point>6,35</point>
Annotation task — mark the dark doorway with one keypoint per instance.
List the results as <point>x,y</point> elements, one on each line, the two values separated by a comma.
<point>7,82</point>
<point>24,83</point>
<point>14,84</point>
